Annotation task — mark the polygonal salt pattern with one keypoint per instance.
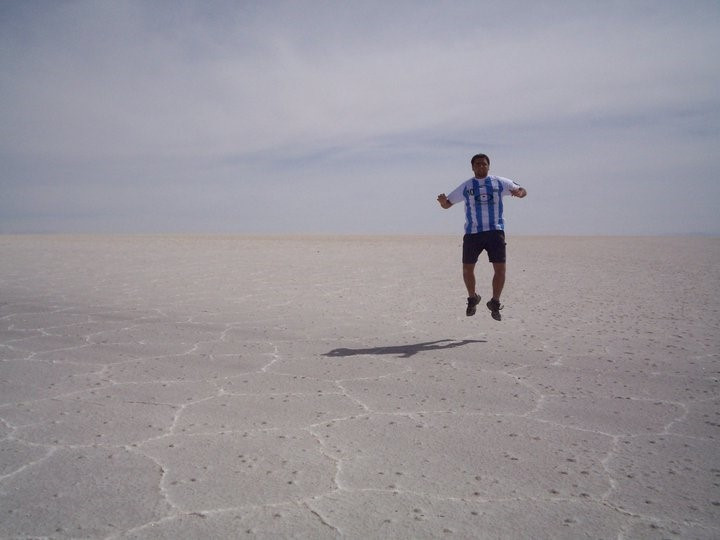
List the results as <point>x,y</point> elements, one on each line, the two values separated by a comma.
<point>188,387</point>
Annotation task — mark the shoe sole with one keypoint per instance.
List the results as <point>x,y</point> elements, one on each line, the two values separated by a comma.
<point>495,313</point>
<point>470,311</point>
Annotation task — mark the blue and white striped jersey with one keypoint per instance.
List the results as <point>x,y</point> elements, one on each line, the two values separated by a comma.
<point>483,202</point>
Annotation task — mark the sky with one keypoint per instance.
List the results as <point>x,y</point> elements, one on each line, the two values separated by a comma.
<point>350,117</point>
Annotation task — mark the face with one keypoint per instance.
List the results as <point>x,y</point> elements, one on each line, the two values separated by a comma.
<point>481,167</point>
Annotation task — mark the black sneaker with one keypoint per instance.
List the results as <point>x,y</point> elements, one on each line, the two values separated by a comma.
<point>495,306</point>
<point>473,301</point>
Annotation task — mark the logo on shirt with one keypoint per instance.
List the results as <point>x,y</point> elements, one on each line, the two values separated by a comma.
<point>484,195</point>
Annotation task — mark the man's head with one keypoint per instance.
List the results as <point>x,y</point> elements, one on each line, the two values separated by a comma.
<point>480,165</point>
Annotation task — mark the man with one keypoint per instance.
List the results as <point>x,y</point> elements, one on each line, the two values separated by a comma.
<point>484,228</point>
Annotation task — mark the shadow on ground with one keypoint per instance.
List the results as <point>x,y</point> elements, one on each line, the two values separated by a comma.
<point>405,351</point>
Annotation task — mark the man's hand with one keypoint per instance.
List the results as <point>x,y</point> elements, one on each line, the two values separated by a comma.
<point>443,200</point>
<point>519,192</point>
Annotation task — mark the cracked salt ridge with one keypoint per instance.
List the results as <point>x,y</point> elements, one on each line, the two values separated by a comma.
<point>413,503</point>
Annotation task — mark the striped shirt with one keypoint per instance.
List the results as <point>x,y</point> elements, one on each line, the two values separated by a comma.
<point>483,202</point>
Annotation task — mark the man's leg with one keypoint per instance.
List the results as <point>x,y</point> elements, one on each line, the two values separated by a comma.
<point>469,278</point>
<point>498,281</point>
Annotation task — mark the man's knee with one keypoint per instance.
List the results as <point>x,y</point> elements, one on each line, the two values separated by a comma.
<point>499,269</point>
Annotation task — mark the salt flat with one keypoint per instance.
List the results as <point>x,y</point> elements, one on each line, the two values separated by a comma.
<point>332,387</point>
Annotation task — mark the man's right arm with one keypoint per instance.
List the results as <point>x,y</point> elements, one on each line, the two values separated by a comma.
<point>443,200</point>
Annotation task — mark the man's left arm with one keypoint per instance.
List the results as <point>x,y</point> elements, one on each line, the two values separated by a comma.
<point>512,187</point>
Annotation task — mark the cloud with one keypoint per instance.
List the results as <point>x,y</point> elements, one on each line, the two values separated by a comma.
<point>213,102</point>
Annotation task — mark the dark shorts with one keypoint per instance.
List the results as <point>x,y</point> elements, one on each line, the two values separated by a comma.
<point>491,241</point>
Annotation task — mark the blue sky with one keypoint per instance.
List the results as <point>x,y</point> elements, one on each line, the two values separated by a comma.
<point>350,117</point>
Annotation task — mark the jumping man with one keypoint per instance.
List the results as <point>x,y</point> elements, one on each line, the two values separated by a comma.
<point>484,227</point>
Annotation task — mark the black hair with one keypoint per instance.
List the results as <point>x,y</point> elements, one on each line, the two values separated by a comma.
<point>478,156</point>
